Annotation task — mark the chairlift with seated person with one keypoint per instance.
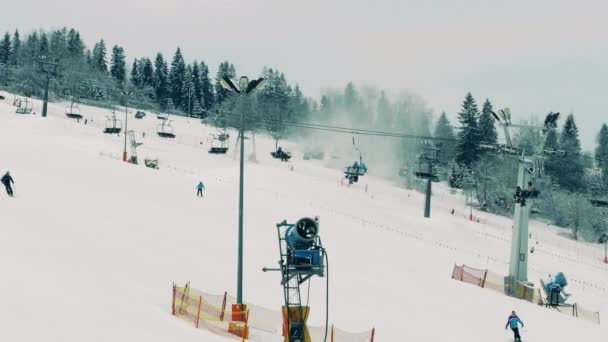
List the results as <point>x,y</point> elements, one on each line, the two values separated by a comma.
<point>353,172</point>
<point>113,125</point>
<point>25,107</point>
<point>280,154</point>
<point>219,143</point>
<point>165,130</point>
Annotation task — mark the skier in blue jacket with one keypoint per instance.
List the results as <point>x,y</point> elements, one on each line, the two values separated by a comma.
<point>514,322</point>
<point>200,187</point>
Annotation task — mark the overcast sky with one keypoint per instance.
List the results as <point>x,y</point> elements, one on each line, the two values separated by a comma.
<point>533,56</point>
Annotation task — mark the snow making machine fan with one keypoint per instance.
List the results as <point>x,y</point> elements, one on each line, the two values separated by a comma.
<point>302,257</point>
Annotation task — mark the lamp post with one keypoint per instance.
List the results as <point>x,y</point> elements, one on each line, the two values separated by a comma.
<point>126,93</point>
<point>245,88</point>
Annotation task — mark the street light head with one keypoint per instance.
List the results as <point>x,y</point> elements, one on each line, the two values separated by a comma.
<point>227,84</point>
<point>243,83</point>
<point>254,85</point>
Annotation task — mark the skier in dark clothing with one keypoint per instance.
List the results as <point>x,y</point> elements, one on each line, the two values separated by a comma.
<point>514,322</point>
<point>7,180</point>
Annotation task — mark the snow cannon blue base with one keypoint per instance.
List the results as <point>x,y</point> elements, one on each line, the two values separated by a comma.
<point>555,290</point>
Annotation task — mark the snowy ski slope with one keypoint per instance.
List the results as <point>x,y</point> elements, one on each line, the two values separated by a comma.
<point>90,245</point>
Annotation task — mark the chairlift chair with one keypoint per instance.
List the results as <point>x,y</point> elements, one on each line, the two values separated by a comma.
<point>25,107</point>
<point>280,154</point>
<point>140,114</point>
<point>151,163</point>
<point>353,172</point>
<point>165,130</point>
<point>73,111</point>
<point>219,143</point>
<point>113,125</point>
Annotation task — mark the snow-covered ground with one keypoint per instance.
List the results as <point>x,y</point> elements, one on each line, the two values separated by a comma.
<point>90,245</point>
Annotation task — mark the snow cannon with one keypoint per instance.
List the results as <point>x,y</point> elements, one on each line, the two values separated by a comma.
<point>303,245</point>
<point>302,234</point>
<point>302,257</point>
<point>555,289</point>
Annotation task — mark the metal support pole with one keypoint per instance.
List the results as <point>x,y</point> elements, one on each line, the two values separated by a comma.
<point>518,267</point>
<point>427,200</point>
<point>46,95</point>
<point>239,291</point>
<point>124,153</point>
<point>606,250</point>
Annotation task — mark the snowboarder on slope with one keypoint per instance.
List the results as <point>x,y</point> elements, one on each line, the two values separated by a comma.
<point>200,187</point>
<point>513,321</point>
<point>7,180</point>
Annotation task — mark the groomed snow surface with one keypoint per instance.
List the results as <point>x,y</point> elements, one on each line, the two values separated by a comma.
<point>90,246</point>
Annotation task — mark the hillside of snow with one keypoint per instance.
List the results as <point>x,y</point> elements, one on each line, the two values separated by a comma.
<point>90,245</point>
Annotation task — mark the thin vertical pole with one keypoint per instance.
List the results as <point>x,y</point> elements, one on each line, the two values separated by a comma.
<point>427,200</point>
<point>239,291</point>
<point>124,153</point>
<point>46,95</point>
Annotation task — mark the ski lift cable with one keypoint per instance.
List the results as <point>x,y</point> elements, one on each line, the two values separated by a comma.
<point>365,132</point>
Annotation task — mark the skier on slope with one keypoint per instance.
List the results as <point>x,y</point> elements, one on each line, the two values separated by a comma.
<point>513,321</point>
<point>200,187</point>
<point>7,180</point>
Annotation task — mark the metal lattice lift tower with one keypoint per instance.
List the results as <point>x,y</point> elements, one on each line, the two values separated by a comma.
<point>528,169</point>
<point>302,257</point>
<point>430,156</point>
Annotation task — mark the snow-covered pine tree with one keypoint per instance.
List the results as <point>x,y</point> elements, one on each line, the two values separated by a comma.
<point>118,68</point>
<point>208,98</point>
<point>5,48</point>
<point>601,153</point>
<point>177,75</point>
<point>570,168</point>
<point>135,74</point>
<point>15,57</point>
<point>197,94</point>
<point>146,72</point>
<point>445,131</point>
<point>43,46</point>
<point>161,81</point>
<point>75,45</point>
<point>487,129</point>
<point>99,56</point>
<point>467,148</point>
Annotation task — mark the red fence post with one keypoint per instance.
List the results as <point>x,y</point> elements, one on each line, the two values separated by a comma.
<point>483,282</point>
<point>332,333</point>
<point>198,313</point>
<point>373,333</point>
<point>223,307</point>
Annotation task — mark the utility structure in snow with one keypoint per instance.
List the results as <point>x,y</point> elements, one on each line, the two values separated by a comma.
<point>302,257</point>
<point>426,170</point>
<point>529,167</point>
<point>134,145</point>
<point>50,69</point>
<point>244,88</point>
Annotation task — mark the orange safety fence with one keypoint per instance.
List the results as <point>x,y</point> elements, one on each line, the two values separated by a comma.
<point>217,314</point>
<point>469,275</point>
<point>208,311</point>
